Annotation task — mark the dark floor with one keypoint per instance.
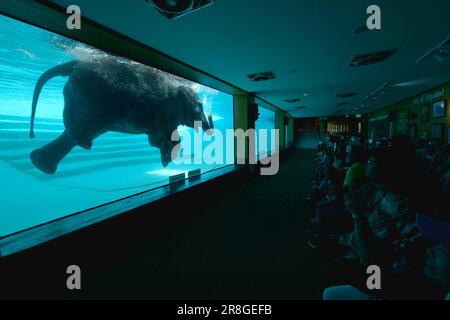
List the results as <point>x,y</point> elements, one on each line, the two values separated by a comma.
<point>247,244</point>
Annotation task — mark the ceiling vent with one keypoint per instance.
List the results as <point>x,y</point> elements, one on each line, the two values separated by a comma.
<point>346,95</point>
<point>262,76</point>
<point>293,100</point>
<point>371,58</point>
<point>440,52</point>
<point>176,8</point>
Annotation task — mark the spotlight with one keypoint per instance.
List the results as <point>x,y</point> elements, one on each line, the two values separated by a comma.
<point>441,55</point>
<point>176,8</point>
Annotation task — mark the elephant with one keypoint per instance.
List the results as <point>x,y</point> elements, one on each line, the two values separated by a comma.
<point>107,94</point>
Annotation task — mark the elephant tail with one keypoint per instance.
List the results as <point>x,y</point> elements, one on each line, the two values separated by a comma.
<point>63,70</point>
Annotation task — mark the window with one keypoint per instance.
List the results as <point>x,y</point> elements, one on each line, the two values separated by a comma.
<point>108,118</point>
<point>265,123</point>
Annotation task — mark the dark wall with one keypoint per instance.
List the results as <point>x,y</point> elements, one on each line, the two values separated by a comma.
<point>305,124</point>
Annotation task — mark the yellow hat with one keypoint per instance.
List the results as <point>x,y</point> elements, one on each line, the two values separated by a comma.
<point>356,175</point>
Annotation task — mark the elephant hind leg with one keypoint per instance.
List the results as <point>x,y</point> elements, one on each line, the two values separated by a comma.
<point>83,135</point>
<point>48,157</point>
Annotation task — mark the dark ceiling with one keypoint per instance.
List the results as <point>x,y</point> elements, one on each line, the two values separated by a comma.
<point>307,44</point>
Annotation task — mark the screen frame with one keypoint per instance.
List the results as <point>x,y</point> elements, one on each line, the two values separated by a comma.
<point>52,17</point>
<point>437,126</point>
<point>445,109</point>
<point>41,233</point>
<point>448,135</point>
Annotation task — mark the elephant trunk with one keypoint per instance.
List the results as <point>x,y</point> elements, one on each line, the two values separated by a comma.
<point>207,122</point>
<point>210,121</point>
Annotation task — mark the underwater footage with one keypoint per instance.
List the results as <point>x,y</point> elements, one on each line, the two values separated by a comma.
<point>80,128</point>
<point>105,95</point>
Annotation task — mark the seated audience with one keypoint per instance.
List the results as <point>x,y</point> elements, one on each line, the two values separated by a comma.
<point>437,265</point>
<point>366,215</point>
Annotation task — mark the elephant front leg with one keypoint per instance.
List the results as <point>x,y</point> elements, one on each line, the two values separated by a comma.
<point>154,141</point>
<point>48,157</point>
<point>166,153</point>
<point>165,146</point>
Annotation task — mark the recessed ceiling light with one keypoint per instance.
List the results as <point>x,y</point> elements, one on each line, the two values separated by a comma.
<point>441,55</point>
<point>440,52</point>
<point>172,9</point>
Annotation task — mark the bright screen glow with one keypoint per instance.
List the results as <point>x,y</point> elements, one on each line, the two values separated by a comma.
<point>123,160</point>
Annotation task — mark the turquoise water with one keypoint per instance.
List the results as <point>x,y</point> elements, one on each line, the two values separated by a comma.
<point>118,165</point>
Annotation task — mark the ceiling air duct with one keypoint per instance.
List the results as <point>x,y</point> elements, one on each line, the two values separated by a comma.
<point>176,8</point>
<point>292,100</point>
<point>346,95</point>
<point>262,76</point>
<point>371,58</point>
